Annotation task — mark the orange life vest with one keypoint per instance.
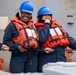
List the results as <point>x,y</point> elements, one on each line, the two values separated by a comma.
<point>1,64</point>
<point>68,55</point>
<point>57,35</point>
<point>28,36</point>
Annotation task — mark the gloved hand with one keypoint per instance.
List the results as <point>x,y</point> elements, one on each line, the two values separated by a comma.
<point>48,50</point>
<point>47,21</point>
<point>47,18</point>
<point>21,49</point>
<point>5,47</point>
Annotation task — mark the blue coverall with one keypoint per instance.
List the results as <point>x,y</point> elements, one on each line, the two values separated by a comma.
<point>0,45</point>
<point>20,61</point>
<point>59,52</point>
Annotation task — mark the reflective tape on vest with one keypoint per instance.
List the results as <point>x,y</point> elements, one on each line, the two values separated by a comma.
<point>55,31</point>
<point>58,31</point>
<point>31,32</point>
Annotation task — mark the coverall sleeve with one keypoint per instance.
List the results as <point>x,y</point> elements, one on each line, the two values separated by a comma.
<point>0,45</point>
<point>44,33</point>
<point>8,35</point>
<point>72,42</point>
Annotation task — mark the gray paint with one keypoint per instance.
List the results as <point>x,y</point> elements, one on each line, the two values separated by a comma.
<point>11,7</point>
<point>60,10</point>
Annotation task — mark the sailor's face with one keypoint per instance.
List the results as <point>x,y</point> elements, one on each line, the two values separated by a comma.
<point>25,17</point>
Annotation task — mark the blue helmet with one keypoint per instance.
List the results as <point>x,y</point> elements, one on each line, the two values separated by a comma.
<point>44,11</point>
<point>26,7</point>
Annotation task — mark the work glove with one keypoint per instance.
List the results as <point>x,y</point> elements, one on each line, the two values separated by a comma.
<point>48,50</point>
<point>21,49</point>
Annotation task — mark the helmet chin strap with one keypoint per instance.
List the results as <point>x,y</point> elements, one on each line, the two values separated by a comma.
<point>19,13</point>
